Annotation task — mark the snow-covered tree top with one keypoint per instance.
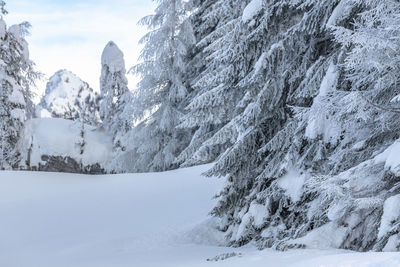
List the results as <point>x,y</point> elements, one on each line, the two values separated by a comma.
<point>19,31</point>
<point>16,31</point>
<point>113,58</point>
<point>3,29</point>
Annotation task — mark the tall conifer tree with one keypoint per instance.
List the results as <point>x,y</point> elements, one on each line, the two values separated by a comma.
<point>16,77</point>
<point>162,89</point>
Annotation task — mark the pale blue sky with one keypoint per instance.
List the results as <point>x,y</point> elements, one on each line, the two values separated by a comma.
<point>71,34</point>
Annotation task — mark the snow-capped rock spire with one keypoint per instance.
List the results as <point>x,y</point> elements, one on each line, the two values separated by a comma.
<point>113,58</point>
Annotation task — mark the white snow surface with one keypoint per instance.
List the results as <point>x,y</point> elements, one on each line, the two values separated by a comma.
<point>318,123</point>
<point>391,212</point>
<point>395,99</point>
<point>325,237</point>
<point>292,182</point>
<point>17,97</point>
<point>41,112</point>
<point>251,10</point>
<point>113,58</point>
<point>153,219</point>
<point>341,11</point>
<point>18,114</point>
<point>259,213</point>
<point>391,158</point>
<point>60,137</point>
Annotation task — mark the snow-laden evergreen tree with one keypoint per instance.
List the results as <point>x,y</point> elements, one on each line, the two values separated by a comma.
<point>68,97</point>
<point>312,116</point>
<point>369,117</point>
<point>115,108</point>
<point>215,68</point>
<point>162,90</point>
<point>16,78</point>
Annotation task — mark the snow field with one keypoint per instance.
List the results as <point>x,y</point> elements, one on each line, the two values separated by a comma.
<point>154,219</point>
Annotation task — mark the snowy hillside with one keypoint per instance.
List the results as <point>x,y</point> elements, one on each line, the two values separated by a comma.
<point>63,138</point>
<point>67,96</point>
<point>50,219</point>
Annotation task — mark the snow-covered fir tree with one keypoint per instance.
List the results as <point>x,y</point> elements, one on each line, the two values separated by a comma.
<point>315,109</point>
<point>214,69</point>
<point>68,97</point>
<point>16,77</point>
<point>289,59</point>
<point>116,101</point>
<point>163,89</point>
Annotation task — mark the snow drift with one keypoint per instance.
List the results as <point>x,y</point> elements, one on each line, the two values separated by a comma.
<point>52,137</point>
<point>153,219</point>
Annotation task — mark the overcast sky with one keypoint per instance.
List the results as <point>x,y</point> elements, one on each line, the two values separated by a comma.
<point>71,34</point>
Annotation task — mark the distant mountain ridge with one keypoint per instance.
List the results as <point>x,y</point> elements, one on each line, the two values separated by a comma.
<point>68,96</point>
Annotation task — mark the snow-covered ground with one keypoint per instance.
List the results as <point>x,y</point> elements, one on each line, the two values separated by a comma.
<point>60,137</point>
<point>158,219</point>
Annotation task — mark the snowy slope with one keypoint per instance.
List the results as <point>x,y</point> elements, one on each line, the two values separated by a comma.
<point>139,220</point>
<point>60,137</point>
